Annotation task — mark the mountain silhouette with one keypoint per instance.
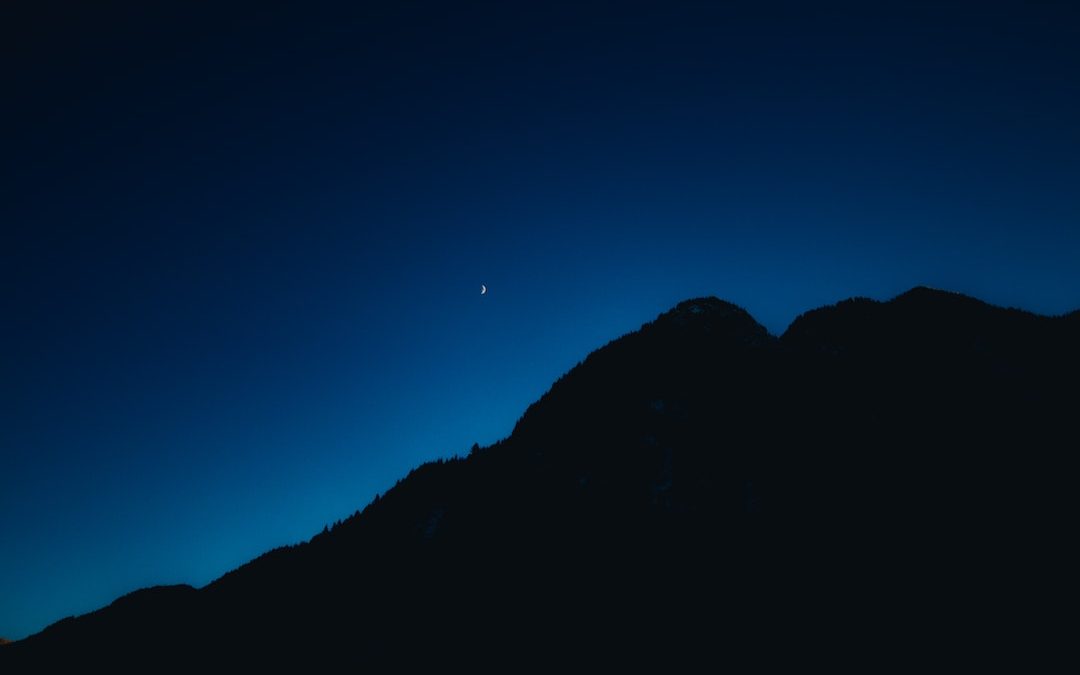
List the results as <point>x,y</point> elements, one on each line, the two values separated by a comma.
<point>886,482</point>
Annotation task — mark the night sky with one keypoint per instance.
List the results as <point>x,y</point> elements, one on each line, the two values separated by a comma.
<point>242,249</point>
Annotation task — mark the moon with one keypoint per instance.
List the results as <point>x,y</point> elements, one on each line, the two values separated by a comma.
<point>483,289</point>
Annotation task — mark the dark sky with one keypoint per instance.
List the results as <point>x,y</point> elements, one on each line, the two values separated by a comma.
<point>242,247</point>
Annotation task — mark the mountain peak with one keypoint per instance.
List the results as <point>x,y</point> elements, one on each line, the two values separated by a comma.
<point>930,294</point>
<point>713,315</point>
<point>709,303</point>
<point>923,290</point>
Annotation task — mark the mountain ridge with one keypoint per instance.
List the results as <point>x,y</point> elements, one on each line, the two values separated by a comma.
<point>678,443</point>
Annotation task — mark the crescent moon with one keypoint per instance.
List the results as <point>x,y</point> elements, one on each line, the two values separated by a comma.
<point>483,289</point>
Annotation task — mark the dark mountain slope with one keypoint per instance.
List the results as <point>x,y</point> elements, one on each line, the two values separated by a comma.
<point>884,481</point>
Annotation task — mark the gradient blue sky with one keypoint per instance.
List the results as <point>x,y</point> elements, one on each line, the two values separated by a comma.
<point>242,249</point>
